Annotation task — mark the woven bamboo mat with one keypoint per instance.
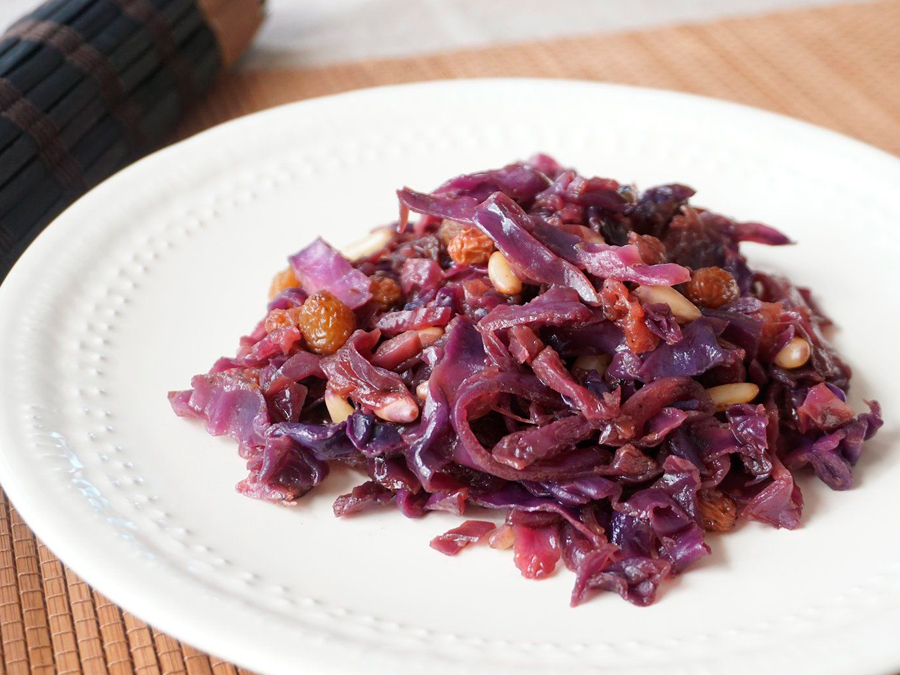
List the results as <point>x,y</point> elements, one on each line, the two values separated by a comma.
<point>835,67</point>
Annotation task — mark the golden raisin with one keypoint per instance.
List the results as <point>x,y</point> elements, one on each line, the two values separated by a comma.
<point>470,247</point>
<point>326,323</point>
<point>651,249</point>
<point>385,291</point>
<point>717,511</point>
<point>712,287</point>
<point>284,279</point>
<point>282,318</point>
<point>449,229</point>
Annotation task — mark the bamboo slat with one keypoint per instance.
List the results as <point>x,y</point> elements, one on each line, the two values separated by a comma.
<point>87,86</point>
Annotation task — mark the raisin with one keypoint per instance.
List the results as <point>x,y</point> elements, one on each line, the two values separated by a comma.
<point>283,280</point>
<point>651,249</point>
<point>717,511</point>
<point>632,464</point>
<point>626,312</point>
<point>470,247</point>
<point>712,287</point>
<point>449,229</point>
<point>774,322</point>
<point>282,318</point>
<point>614,229</point>
<point>385,291</point>
<point>326,323</point>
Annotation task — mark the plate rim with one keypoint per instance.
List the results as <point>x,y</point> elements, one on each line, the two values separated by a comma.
<point>88,563</point>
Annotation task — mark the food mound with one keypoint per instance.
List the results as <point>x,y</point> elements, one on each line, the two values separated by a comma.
<point>598,363</point>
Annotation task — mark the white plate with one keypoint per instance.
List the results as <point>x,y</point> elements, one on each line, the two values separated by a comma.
<point>155,273</point>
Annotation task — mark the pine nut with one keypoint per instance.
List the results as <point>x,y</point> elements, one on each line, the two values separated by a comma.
<point>794,354</point>
<point>593,237</point>
<point>372,243</point>
<point>422,390</point>
<point>598,362</point>
<point>502,276</point>
<point>681,307</point>
<point>731,394</point>
<point>428,336</point>
<point>501,538</point>
<point>339,409</point>
<point>401,410</point>
<point>586,233</point>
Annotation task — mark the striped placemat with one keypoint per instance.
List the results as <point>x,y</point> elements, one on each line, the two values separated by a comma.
<point>834,66</point>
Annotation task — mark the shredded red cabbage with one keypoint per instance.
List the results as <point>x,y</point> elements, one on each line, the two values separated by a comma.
<point>614,426</point>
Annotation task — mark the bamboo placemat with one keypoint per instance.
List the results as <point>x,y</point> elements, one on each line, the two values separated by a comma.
<point>835,67</point>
